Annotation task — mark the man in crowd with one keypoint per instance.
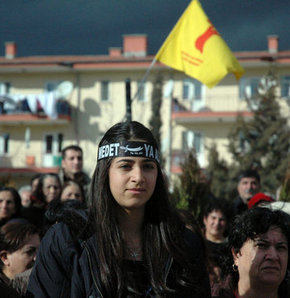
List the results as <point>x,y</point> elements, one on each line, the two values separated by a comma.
<point>72,167</point>
<point>248,185</point>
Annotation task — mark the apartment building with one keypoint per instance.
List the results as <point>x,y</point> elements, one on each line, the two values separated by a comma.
<point>47,103</point>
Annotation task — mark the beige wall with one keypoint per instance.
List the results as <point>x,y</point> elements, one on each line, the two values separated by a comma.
<point>91,117</point>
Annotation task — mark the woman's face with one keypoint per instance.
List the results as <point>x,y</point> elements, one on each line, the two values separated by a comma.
<point>51,188</point>
<point>215,224</point>
<point>71,192</point>
<point>23,258</point>
<point>263,261</point>
<point>7,204</point>
<point>132,181</point>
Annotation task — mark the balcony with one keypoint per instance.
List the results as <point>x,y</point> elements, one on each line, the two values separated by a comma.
<point>20,109</point>
<point>210,109</point>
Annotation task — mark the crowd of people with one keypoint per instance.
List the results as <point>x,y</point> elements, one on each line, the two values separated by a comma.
<point>118,235</point>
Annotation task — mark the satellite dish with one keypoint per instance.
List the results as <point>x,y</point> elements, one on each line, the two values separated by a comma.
<point>64,89</point>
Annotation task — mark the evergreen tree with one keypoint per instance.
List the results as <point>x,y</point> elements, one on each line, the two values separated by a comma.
<point>218,172</point>
<point>156,100</point>
<point>191,191</point>
<point>285,187</point>
<point>263,142</point>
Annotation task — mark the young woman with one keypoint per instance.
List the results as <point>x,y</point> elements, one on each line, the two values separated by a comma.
<point>133,244</point>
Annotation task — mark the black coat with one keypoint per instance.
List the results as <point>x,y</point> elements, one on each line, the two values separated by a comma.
<point>68,268</point>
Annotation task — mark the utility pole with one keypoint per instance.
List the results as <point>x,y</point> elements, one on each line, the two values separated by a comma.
<point>128,100</point>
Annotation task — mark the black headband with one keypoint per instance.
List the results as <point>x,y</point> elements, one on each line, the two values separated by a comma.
<point>133,149</point>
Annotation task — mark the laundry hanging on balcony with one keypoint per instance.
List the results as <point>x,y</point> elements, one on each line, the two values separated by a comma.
<point>30,103</point>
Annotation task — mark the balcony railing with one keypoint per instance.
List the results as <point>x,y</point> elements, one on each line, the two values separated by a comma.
<point>214,103</point>
<point>44,105</point>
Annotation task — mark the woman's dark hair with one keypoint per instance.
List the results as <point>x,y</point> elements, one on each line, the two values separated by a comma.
<point>14,234</point>
<point>191,223</point>
<point>36,176</point>
<point>216,204</point>
<point>16,197</point>
<point>71,182</point>
<point>162,229</point>
<point>250,225</point>
<point>38,194</point>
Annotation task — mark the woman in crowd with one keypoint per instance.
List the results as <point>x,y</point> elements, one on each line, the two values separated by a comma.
<point>19,241</point>
<point>215,222</point>
<point>259,260</point>
<point>134,244</point>
<point>47,190</point>
<point>10,204</point>
<point>72,191</point>
<point>71,197</point>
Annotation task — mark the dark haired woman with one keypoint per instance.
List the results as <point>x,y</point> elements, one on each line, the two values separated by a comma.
<point>258,255</point>
<point>19,241</point>
<point>133,243</point>
<point>47,190</point>
<point>215,220</point>
<point>10,204</point>
<point>71,190</point>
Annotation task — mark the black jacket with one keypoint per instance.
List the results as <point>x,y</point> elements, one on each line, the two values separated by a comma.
<point>68,268</point>
<point>238,207</point>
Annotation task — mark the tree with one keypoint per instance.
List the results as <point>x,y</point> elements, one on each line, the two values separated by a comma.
<point>218,172</point>
<point>263,142</point>
<point>285,187</point>
<point>191,191</point>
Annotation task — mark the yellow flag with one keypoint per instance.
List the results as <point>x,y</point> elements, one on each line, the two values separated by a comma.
<point>195,47</point>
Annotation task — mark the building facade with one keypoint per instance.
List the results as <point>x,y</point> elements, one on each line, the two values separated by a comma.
<point>47,103</point>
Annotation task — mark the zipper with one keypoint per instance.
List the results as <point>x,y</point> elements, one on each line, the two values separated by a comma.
<point>91,268</point>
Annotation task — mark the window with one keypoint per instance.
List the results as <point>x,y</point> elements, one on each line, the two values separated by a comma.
<point>105,90</point>
<point>141,91</point>
<point>4,88</point>
<point>53,143</point>
<point>59,142</point>
<point>4,143</point>
<point>192,139</point>
<point>285,86</point>
<point>191,89</point>
<point>48,143</point>
<point>248,87</point>
<point>197,142</point>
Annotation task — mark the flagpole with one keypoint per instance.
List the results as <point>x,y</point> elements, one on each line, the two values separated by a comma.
<point>138,89</point>
<point>145,76</point>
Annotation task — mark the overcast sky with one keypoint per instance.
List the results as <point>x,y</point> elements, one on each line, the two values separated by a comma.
<point>81,27</point>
